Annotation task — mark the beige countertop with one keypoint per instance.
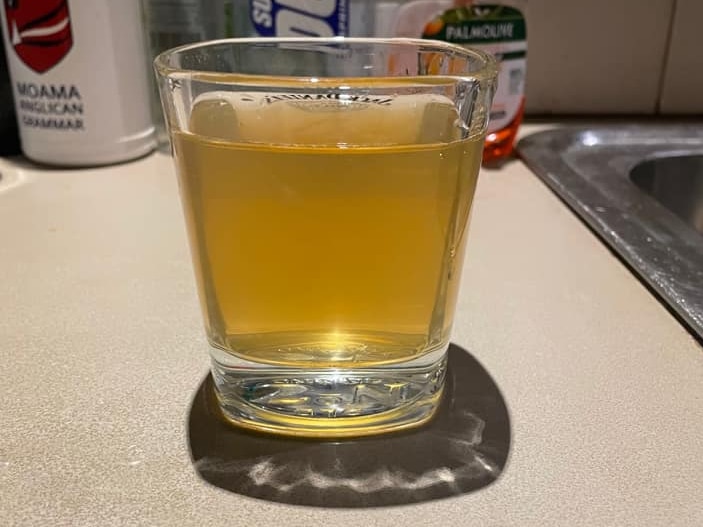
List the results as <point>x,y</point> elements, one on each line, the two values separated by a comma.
<point>103,352</point>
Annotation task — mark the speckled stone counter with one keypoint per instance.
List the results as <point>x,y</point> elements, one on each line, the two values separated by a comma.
<point>589,394</point>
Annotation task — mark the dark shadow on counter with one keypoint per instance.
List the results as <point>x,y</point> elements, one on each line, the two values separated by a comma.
<point>463,449</point>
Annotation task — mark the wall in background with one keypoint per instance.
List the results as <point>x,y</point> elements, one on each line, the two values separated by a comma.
<point>615,57</point>
<point>682,86</point>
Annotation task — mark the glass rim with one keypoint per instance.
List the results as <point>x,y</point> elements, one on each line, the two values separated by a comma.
<point>488,69</point>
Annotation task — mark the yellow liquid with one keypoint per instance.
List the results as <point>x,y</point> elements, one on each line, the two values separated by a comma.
<point>325,256</point>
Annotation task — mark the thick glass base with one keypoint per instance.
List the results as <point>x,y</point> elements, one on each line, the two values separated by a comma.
<point>328,402</point>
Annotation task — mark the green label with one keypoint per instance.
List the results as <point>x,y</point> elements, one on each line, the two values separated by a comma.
<point>478,24</point>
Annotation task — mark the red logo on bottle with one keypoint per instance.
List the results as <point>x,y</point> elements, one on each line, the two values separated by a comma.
<point>40,31</point>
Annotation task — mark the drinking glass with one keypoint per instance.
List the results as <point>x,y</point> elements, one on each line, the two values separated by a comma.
<point>327,186</point>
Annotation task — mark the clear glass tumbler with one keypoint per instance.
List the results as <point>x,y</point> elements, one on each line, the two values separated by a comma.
<point>327,186</point>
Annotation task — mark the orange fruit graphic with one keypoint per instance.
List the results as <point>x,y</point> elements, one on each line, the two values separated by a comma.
<point>434,27</point>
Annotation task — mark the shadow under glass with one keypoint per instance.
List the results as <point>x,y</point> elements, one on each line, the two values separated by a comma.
<point>463,449</point>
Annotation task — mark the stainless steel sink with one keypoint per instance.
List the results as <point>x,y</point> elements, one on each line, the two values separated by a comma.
<point>640,188</point>
<point>675,182</point>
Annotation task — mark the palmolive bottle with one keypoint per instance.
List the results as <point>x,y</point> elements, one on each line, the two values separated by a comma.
<point>79,79</point>
<point>497,27</point>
